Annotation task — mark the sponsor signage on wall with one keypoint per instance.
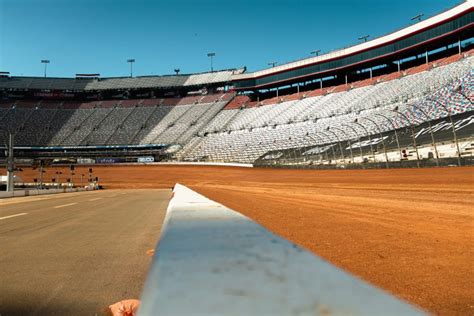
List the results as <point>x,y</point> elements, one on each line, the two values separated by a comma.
<point>146,159</point>
<point>108,160</point>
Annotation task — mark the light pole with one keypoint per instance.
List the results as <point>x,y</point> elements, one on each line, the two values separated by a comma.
<point>211,56</point>
<point>45,62</point>
<point>272,63</point>
<point>417,17</point>
<point>177,70</point>
<point>315,52</point>
<point>131,61</point>
<point>412,134</point>
<point>364,38</point>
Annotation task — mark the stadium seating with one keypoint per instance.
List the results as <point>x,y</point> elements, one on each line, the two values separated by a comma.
<point>225,127</point>
<point>249,133</point>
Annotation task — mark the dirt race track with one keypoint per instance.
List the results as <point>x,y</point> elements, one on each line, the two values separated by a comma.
<point>408,231</point>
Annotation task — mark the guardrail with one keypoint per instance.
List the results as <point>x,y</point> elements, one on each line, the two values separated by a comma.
<point>212,260</point>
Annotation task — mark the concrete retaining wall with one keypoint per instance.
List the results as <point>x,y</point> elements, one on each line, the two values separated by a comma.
<point>29,192</point>
<point>224,164</point>
<point>212,260</point>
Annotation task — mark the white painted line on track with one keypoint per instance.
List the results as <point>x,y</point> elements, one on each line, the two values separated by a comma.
<point>10,216</point>
<point>65,205</point>
<point>95,199</point>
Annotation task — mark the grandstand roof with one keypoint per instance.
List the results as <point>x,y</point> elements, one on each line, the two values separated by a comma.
<point>95,84</point>
<point>430,29</point>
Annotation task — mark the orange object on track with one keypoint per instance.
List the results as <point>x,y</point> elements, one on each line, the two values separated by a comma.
<point>125,308</point>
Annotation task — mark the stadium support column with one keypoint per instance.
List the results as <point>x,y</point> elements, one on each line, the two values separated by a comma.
<point>459,45</point>
<point>10,164</point>
<point>426,57</point>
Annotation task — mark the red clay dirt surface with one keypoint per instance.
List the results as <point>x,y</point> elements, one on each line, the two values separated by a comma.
<point>408,231</point>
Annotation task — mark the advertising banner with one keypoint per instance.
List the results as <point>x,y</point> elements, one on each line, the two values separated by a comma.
<point>146,159</point>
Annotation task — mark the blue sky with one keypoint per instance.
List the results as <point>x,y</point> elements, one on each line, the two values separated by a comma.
<point>98,36</point>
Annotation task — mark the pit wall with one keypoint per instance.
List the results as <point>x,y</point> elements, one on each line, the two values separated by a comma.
<point>211,260</point>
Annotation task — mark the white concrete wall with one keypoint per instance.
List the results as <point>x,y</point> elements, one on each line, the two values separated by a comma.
<point>223,164</point>
<point>29,192</point>
<point>212,260</point>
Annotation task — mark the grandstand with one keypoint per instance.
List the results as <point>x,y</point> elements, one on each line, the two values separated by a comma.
<point>318,111</point>
<point>225,127</point>
<point>185,183</point>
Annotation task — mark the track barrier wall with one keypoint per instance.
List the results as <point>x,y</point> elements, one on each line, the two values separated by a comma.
<point>31,192</point>
<point>211,260</point>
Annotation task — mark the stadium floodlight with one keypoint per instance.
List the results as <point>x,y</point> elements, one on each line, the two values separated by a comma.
<point>315,52</point>
<point>272,63</point>
<point>131,61</point>
<point>177,70</point>
<point>364,38</point>
<point>417,17</point>
<point>211,56</point>
<point>45,62</point>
